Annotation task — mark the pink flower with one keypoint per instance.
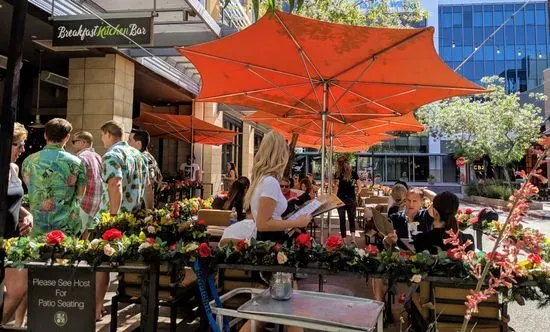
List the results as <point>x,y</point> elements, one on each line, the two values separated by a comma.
<point>535,259</point>
<point>150,240</point>
<point>371,249</point>
<point>468,211</point>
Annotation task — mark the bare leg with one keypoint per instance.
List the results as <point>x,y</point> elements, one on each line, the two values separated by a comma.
<point>21,312</point>
<point>16,290</point>
<point>379,289</point>
<point>101,286</point>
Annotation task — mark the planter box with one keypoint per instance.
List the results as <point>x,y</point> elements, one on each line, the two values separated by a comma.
<point>498,203</point>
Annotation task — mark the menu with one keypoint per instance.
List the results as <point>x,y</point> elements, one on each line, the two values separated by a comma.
<point>318,206</point>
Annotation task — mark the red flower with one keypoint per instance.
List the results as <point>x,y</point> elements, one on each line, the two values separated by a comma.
<point>276,247</point>
<point>150,240</point>
<point>371,249</point>
<point>454,254</point>
<point>535,259</point>
<point>334,242</point>
<point>204,250</point>
<point>112,234</point>
<point>459,211</point>
<point>55,237</point>
<point>468,211</point>
<point>202,222</point>
<point>173,246</point>
<point>473,220</point>
<point>404,255</point>
<point>241,245</point>
<point>303,240</point>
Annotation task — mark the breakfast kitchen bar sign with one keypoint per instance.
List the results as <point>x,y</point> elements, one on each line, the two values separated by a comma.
<point>94,32</point>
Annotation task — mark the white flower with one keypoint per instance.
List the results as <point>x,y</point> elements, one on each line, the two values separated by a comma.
<point>95,242</point>
<point>417,278</point>
<point>281,258</point>
<point>144,246</point>
<point>108,250</point>
<point>148,218</point>
<point>360,252</point>
<point>191,247</point>
<point>151,229</point>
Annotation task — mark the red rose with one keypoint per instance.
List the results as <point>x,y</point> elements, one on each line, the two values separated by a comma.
<point>55,237</point>
<point>303,240</point>
<point>112,234</point>
<point>371,249</point>
<point>173,247</point>
<point>404,255</point>
<point>535,259</point>
<point>202,222</point>
<point>241,245</point>
<point>468,211</point>
<point>334,242</point>
<point>276,247</point>
<point>204,250</point>
<point>459,211</point>
<point>150,240</point>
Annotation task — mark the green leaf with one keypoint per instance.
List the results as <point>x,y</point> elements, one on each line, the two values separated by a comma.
<point>256,9</point>
<point>291,4</point>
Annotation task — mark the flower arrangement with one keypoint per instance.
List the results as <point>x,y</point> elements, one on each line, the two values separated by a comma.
<point>465,218</point>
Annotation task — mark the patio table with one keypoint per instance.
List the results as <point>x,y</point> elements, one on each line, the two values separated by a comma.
<point>309,310</point>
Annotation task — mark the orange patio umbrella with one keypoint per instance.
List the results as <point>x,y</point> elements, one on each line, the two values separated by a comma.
<point>342,143</point>
<point>185,128</point>
<point>297,67</point>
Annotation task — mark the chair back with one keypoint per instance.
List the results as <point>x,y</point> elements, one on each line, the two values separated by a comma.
<point>215,217</point>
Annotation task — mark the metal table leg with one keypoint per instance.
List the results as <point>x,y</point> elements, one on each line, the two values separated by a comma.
<point>380,323</point>
<point>149,299</point>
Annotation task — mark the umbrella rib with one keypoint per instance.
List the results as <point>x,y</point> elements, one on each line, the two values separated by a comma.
<point>376,102</point>
<point>409,38</point>
<point>313,88</point>
<point>297,45</point>
<point>243,63</point>
<point>355,80</point>
<point>244,93</point>
<point>280,104</point>
<point>342,118</point>
<point>300,101</point>
<point>419,85</point>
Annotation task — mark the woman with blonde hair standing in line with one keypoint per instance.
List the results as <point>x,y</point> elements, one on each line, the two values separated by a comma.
<point>264,197</point>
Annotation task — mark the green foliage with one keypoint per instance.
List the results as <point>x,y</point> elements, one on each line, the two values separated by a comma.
<point>490,190</point>
<point>379,12</point>
<point>494,124</point>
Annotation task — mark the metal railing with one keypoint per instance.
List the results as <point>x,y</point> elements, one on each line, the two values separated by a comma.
<point>234,14</point>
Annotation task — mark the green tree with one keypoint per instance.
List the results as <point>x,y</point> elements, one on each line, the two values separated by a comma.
<point>495,124</point>
<point>378,12</point>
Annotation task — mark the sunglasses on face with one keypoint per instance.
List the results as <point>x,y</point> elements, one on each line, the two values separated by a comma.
<point>285,186</point>
<point>19,145</point>
<point>76,140</point>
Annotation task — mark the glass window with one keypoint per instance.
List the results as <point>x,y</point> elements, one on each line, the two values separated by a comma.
<point>467,19</point>
<point>446,20</point>
<point>540,17</point>
<point>520,35</point>
<point>542,32</point>
<point>488,18</point>
<point>509,34</point>
<point>530,33</point>
<point>499,67</point>
<point>478,36</point>
<point>469,70</point>
<point>479,70</point>
<point>478,19</point>
<point>530,15</point>
<point>467,51</point>
<point>499,15</point>
<point>445,53</point>
<point>499,52</point>
<point>509,7</point>
<point>457,19</point>
<point>421,166</point>
<point>468,36</point>
<point>531,51</point>
<point>450,173</point>
<point>510,52</point>
<point>446,36</point>
<point>398,168</point>
<point>457,36</point>
<point>508,15</point>
<point>499,36</point>
<point>488,52</point>
<point>478,55</point>
<point>519,17</point>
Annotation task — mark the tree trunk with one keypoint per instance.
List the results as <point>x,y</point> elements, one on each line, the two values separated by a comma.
<point>288,168</point>
<point>507,177</point>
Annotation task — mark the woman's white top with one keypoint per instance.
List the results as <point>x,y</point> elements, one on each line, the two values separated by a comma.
<point>268,187</point>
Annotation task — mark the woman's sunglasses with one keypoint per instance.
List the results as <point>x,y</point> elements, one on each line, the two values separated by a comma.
<point>285,186</point>
<point>19,145</point>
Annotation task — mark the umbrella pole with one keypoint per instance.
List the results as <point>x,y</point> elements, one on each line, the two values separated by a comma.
<point>330,174</point>
<point>323,147</point>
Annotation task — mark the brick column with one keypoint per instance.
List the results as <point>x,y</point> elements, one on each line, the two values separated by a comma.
<point>211,155</point>
<point>100,89</point>
<point>248,150</point>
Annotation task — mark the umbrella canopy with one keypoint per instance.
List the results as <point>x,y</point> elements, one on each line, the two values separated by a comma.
<point>342,143</point>
<point>313,127</point>
<point>293,67</point>
<point>185,128</point>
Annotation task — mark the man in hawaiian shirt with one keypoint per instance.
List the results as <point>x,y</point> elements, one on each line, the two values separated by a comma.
<point>56,181</point>
<point>89,206</point>
<point>125,177</point>
<point>139,139</point>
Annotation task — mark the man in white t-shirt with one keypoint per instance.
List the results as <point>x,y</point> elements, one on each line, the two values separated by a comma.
<point>190,170</point>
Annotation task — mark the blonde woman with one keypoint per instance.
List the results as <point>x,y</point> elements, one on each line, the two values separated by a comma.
<point>399,198</point>
<point>264,197</point>
<point>19,223</point>
<point>348,184</point>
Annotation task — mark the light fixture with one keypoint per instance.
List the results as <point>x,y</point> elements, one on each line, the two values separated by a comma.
<point>540,55</point>
<point>475,48</point>
<point>33,37</point>
<point>454,45</point>
<point>519,52</point>
<point>498,50</point>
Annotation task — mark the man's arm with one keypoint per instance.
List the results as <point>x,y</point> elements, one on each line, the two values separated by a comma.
<point>114,189</point>
<point>149,197</point>
<point>80,190</point>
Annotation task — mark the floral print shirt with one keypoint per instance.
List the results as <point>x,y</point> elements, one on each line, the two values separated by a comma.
<point>127,163</point>
<point>52,177</point>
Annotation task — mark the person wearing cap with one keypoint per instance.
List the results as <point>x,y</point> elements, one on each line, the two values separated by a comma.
<point>348,184</point>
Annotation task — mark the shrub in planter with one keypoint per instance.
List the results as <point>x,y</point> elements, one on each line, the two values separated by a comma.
<point>498,191</point>
<point>473,190</point>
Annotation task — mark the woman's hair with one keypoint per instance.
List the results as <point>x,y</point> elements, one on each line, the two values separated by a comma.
<point>19,132</point>
<point>446,205</point>
<point>344,169</point>
<point>399,195</point>
<point>237,191</point>
<point>403,183</point>
<point>306,182</point>
<point>232,168</point>
<point>270,160</point>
